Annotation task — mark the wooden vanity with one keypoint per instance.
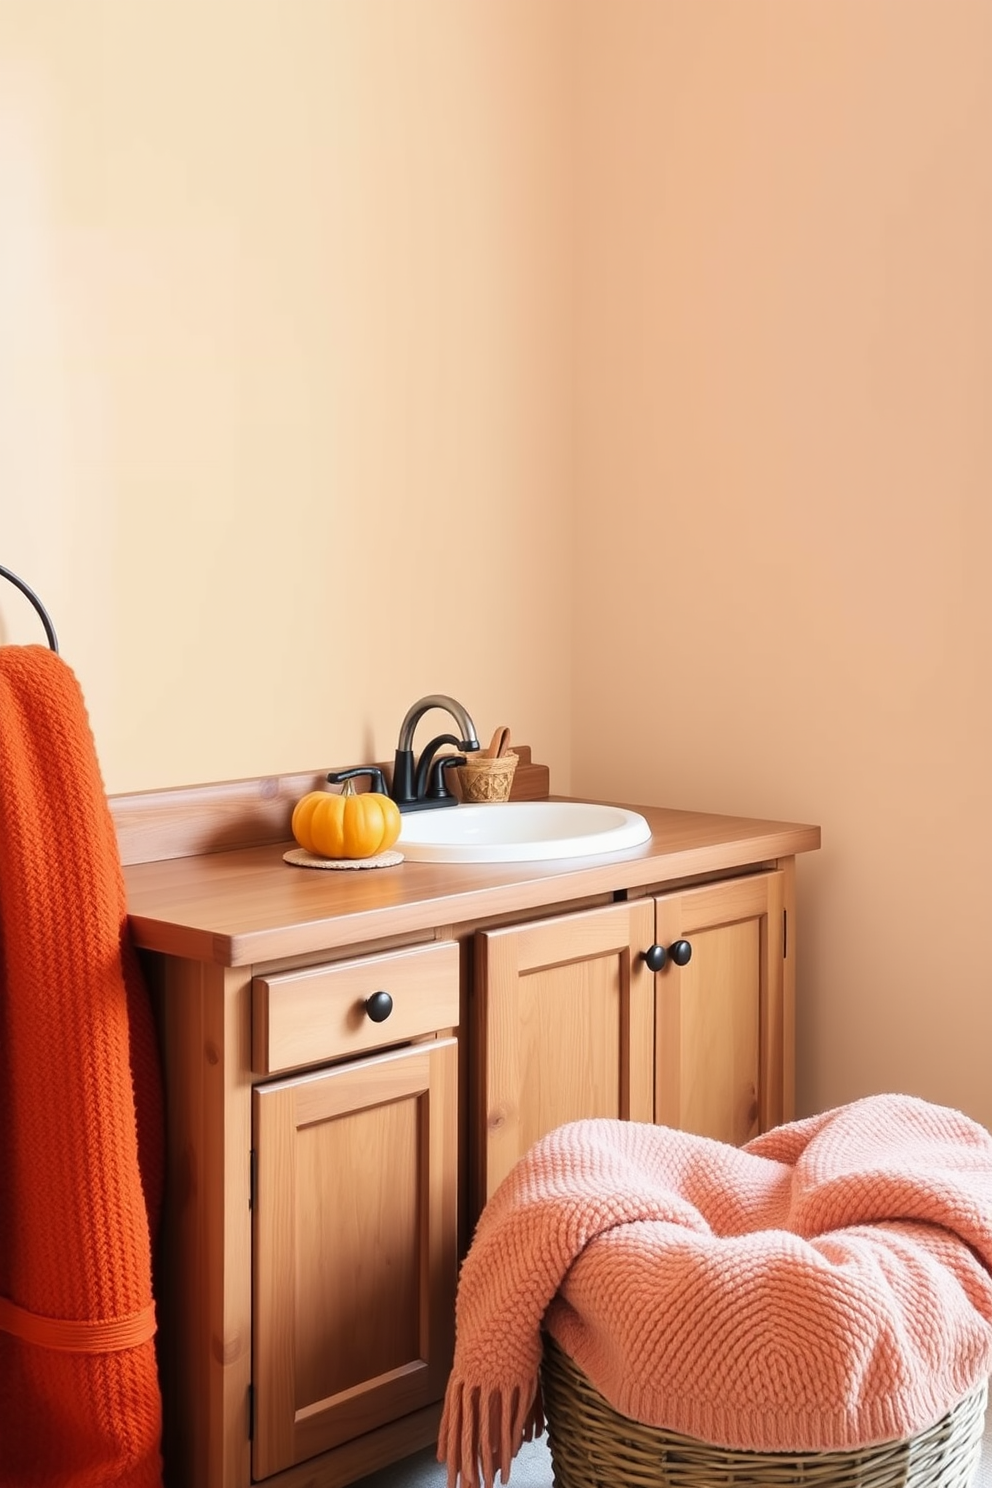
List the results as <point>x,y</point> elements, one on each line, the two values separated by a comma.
<point>326,1169</point>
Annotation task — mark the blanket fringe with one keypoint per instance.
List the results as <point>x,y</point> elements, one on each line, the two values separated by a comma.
<point>482,1430</point>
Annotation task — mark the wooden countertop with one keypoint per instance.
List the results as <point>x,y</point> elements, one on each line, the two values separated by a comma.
<point>241,907</point>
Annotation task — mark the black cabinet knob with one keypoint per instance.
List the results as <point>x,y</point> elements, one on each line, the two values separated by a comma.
<point>680,952</point>
<point>655,956</point>
<point>379,1006</point>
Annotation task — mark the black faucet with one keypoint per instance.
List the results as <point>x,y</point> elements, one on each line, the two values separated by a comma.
<point>416,788</point>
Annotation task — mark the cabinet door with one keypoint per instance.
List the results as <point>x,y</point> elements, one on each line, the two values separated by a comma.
<point>354,1249</point>
<point>719,1018</point>
<point>566,1024</point>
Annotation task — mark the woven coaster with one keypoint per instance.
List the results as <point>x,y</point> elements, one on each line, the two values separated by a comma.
<point>298,857</point>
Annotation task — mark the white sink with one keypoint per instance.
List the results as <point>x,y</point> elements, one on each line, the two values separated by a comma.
<point>519,832</point>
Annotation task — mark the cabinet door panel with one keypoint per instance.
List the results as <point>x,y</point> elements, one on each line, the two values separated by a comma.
<point>567,1024</point>
<point>719,1055</point>
<point>349,1168</point>
<point>354,1249</point>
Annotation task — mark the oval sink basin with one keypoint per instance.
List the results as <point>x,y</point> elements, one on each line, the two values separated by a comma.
<point>519,832</point>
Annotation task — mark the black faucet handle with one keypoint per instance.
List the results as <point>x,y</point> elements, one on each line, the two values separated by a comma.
<point>427,759</point>
<point>437,788</point>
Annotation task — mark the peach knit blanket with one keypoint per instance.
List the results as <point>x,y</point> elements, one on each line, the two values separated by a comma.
<point>827,1286</point>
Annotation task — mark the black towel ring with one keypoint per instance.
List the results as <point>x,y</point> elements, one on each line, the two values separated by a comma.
<point>43,614</point>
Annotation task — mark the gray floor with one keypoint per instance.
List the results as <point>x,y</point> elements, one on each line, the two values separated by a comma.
<point>532,1468</point>
<point>983,1478</point>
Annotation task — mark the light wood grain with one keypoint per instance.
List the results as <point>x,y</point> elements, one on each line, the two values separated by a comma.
<point>715,1038</point>
<point>355,1249</point>
<point>366,1454</point>
<point>780,1052</point>
<point>564,1007</point>
<point>318,1013</point>
<point>246,906</point>
<point>204,1286</point>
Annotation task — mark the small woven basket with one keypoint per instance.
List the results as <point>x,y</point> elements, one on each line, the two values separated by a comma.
<point>592,1446</point>
<point>486,779</point>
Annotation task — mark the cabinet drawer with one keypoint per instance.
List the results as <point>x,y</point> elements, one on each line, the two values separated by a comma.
<point>319,1013</point>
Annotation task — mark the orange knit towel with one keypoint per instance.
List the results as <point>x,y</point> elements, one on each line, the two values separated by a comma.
<point>829,1286</point>
<point>81,1143</point>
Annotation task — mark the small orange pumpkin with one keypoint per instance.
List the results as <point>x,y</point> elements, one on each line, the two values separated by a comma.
<point>348,825</point>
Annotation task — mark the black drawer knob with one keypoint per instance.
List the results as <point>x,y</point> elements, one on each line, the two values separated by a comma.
<point>680,952</point>
<point>379,1005</point>
<point>655,956</point>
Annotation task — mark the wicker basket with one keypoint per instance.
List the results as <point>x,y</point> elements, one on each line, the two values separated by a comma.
<point>592,1446</point>
<point>486,779</point>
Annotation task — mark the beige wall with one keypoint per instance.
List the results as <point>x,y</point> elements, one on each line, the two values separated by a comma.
<point>285,374</point>
<point>784,478</point>
<point>329,326</point>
